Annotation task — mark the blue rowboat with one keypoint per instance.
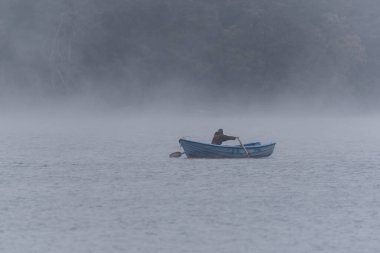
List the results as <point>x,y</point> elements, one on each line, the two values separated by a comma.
<point>194,149</point>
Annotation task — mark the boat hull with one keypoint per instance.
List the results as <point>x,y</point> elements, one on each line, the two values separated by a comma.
<point>194,149</point>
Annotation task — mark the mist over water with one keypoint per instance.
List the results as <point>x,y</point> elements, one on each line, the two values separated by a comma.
<point>107,184</point>
<point>94,96</point>
<point>146,53</point>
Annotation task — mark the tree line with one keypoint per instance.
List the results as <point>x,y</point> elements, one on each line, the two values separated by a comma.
<point>244,46</point>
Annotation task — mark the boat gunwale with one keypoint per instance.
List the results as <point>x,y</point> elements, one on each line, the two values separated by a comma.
<point>229,146</point>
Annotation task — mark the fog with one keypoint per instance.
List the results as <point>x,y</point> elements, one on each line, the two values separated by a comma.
<point>106,184</point>
<point>95,94</point>
<point>260,56</point>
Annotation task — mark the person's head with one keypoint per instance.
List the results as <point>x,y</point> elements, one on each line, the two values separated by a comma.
<point>220,131</point>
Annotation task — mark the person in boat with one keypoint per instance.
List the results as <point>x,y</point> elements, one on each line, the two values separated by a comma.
<point>220,137</point>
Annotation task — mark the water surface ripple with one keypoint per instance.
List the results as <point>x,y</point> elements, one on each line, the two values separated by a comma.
<point>111,187</point>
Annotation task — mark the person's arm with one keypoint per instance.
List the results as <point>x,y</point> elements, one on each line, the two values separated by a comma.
<point>228,138</point>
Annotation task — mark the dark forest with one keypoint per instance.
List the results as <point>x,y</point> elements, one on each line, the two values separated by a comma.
<point>128,49</point>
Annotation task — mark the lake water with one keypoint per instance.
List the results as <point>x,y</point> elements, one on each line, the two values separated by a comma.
<point>106,184</point>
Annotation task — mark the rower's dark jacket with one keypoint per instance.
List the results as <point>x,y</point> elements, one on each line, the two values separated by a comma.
<point>220,137</point>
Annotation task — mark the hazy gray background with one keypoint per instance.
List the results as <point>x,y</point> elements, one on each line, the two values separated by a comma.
<point>94,95</point>
<point>138,54</point>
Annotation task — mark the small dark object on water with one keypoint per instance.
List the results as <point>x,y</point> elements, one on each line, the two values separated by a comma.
<point>176,154</point>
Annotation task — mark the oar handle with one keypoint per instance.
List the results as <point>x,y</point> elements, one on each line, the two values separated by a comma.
<point>246,151</point>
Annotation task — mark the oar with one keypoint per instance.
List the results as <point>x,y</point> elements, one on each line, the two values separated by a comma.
<point>176,154</point>
<point>246,151</point>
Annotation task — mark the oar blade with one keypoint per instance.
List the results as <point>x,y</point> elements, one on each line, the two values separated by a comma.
<point>175,154</point>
